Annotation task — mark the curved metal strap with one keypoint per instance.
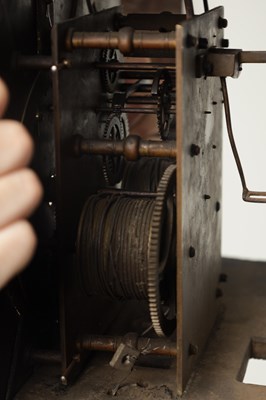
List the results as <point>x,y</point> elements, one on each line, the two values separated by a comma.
<point>247,195</point>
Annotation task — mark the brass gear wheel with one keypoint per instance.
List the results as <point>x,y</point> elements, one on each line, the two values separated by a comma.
<point>114,127</point>
<point>156,260</point>
<point>164,116</point>
<point>126,249</point>
<point>109,77</point>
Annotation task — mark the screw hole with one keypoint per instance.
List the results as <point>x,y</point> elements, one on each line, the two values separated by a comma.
<point>192,252</point>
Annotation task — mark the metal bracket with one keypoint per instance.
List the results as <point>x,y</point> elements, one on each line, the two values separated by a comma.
<point>125,357</point>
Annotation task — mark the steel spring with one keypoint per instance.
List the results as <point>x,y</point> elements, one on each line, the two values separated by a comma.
<point>112,245</point>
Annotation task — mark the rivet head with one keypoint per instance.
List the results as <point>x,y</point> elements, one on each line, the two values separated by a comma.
<point>222,23</point>
<point>193,350</point>
<point>191,41</point>
<point>203,43</point>
<point>194,150</point>
<point>224,43</point>
<point>63,380</point>
<point>223,278</point>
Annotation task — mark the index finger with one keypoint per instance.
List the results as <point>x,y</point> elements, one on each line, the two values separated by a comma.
<point>4,97</point>
<point>16,146</point>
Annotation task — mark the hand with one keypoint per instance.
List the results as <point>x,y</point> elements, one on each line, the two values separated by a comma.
<point>20,193</point>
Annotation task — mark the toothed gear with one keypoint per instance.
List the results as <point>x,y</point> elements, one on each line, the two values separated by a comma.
<point>125,124</point>
<point>109,77</point>
<point>116,128</point>
<point>156,261</point>
<point>164,106</point>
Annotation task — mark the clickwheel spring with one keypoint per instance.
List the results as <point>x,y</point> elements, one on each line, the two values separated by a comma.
<point>117,237</point>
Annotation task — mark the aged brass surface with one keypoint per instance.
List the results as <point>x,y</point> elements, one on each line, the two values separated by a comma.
<point>144,345</point>
<point>129,273</point>
<point>198,116</point>
<point>126,40</point>
<point>110,222</point>
<point>132,148</point>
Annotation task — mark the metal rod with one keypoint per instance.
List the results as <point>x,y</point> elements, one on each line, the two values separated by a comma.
<point>141,100</point>
<point>230,133</point>
<point>149,75</point>
<point>206,5</point>
<point>90,6</point>
<point>126,40</point>
<point>153,346</point>
<point>47,357</point>
<point>255,57</point>
<point>70,371</point>
<point>128,193</point>
<point>132,148</point>
<point>40,62</point>
<point>136,66</point>
<point>247,195</point>
<point>33,62</point>
<point>134,110</point>
<point>189,8</point>
<point>130,110</point>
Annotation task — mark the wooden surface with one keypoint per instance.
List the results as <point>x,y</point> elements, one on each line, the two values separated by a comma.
<point>219,372</point>
<point>215,378</point>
